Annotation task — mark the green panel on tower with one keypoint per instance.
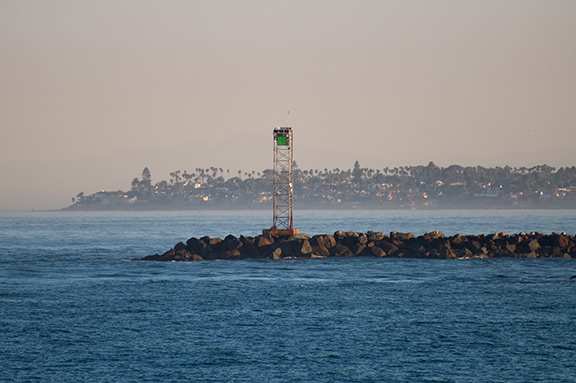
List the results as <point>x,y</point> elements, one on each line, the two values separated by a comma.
<point>282,140</point>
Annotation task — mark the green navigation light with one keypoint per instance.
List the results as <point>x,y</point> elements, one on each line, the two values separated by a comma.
<point>282,140</point>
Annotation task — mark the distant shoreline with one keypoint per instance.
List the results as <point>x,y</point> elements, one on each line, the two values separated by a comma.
<point>66,210</point>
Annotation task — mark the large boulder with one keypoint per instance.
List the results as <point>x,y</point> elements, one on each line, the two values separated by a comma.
<point>401,236</point>
<point>321,244</point>
<point>359,249</point>
<point>345,234</point>
<point>433,235</point>
<point>195,245</point>
<point>414,248</point>
<point>375,236</point>
<point>510,248</point>
<point>247,240</point>
<point>231,243</point>
<point>341,251</point>
<point>529,246</point>
<point>249,248</point>
<point>305,247</point>
<point>447,252</point>
<point>562,241</point>
<point>295,247</point>
<point>215,242</point>
<point>264,240</point>
<point>231,254</point>
<point>180,246</point>
<point>168,255</point>
<point>205,240</point>
<point>362,239</point>
<point>497,236</point>
<point>389,247</point>
<point>181,253</point>
<point>377,252</point>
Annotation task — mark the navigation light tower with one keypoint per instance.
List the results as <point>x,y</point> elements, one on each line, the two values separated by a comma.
<point>283,186</point>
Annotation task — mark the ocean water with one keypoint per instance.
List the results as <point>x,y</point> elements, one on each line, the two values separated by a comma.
<point>76,307</point>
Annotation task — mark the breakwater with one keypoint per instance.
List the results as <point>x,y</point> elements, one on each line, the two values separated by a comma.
<point>373,244</point>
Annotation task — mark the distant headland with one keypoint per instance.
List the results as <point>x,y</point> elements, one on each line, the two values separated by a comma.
<point>425,187</point>
<point>434,245</point>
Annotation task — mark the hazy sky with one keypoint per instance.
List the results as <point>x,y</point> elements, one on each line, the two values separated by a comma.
<point>92,91</point>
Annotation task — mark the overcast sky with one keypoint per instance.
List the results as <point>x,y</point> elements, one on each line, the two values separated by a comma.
<point>92,91</point>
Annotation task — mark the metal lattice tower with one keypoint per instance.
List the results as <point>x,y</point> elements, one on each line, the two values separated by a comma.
<point>283,186</point>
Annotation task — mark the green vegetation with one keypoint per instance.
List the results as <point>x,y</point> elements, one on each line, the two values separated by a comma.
<point>390,187</point>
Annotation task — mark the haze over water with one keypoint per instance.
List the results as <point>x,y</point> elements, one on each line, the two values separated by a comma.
<point>94,91</point>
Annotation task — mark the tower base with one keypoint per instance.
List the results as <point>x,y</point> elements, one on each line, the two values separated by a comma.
<point>277,233</point>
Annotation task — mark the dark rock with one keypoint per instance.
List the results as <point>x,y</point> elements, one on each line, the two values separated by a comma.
<point>433,235</point>
<point>414,247</point>
<point>347,238</point>
<point>305,247</point>
<point>345,234</point>
<point>534,245</point>
<point>329,241</point>
<point>362,239</point>
<point>248,248</point>
<point>341,251</point>
<point>378,252</point>
<point>463,253</point>
<point>231,254</point>
<point>195,245</point>
<point>390,248</point>
<point>401,236</point>
<point>359,249</point>
<point>497,236</point>
<point>349,243</point>
<point>246,241</point>
<point>447,252</point>
<point>375,236</point>
<point>264,240</point>
<point>295,247</point>
<point>215,242</point>
<point>528,246</point>
<point>321,244</point>
<point>231,242</point>
<point>457,240</point>
<point>180,246</point>
<point>555,251</point>
<point>169,255</point>
<point>182,253</point>
<point>475,245</point>
<point>562,241</point>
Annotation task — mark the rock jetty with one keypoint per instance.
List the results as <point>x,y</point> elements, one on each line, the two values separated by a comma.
<point>373,244</point>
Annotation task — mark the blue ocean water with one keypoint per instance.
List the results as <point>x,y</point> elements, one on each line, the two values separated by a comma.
<point>76,307</point>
